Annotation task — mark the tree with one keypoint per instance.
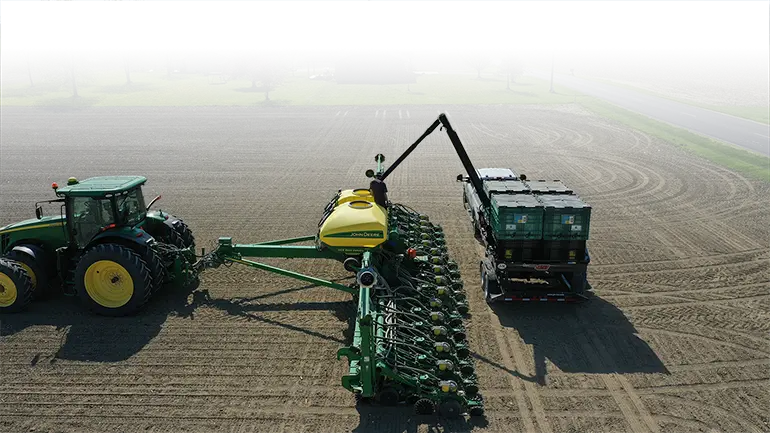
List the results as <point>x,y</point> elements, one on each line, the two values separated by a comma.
<point>168,57</point>
<point>512,68</point>
<point>239,65</point>
<point>130,59</point>
<point>477,59</point>
<point>68,67</point>
<point>411,74</point>
<point>291,60</point>
<point>23,61</point>
<point>267,72</point>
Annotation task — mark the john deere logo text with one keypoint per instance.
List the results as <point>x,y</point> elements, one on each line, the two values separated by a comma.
<point>363,234</point>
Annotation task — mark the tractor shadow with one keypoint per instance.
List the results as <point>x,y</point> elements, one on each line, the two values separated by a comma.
<point>84,336</point>
<point>590,337</point>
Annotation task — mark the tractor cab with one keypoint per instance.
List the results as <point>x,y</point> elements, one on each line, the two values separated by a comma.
<point>99,204</point>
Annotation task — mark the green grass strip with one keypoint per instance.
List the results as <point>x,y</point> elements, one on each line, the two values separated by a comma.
<point>756,113</point>
<point>748,163</point>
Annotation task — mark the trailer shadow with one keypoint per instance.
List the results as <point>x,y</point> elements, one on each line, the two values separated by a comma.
<point>590,337</point>
<point>402,419</point>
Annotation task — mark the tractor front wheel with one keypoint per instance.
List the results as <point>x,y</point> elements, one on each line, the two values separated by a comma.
<point>113,280</point>
<point>16,288</point>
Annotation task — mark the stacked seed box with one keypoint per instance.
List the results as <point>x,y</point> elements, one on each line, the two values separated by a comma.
<point>538,220</point>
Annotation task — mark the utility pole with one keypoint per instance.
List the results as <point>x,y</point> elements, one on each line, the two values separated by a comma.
<point>553,57</point>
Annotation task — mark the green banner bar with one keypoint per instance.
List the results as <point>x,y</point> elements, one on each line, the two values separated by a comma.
<point>289,241</point>
<point>316,43</point>
<point>200,29</point>
<point>392,36</point>
<point>283,251</point>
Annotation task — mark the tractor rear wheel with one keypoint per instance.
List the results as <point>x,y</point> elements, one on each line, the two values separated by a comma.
<point>16,288</point>
<point>33,261</point>
<point>184,232</point>
<point>157,270</point>
<point>113,280</point>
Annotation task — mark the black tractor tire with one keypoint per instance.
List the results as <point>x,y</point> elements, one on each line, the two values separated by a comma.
<point>34,260</point>
<point>113,280</point>
<point>171,237</point>
<point>16,288</point>
<point>450,409</point>
<point>157,270</point>
<point>184,232</point>
<point>424,406</point>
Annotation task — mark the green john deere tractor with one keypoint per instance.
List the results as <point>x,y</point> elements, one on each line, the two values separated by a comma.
<point>105,246</point>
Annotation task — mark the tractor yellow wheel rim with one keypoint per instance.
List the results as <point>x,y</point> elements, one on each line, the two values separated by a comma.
<point>109,284</point>
<point>31,274</point>
<point>8,291</point>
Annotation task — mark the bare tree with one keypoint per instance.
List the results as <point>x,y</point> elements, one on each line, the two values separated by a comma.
<point>265,72</point>
<point>130,59</point>
<point>23,61</point>
<point>477,59</point>
<point>411,74</point>
<point>68,66</point>
<point>291,60</point>
<point>512,68</point>
<point>169,56</point>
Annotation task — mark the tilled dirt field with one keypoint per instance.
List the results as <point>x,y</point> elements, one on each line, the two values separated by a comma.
<point>676,338</point>
<point>726,76</point>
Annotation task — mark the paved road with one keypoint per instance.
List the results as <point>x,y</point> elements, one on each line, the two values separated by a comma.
<point>744,133</point>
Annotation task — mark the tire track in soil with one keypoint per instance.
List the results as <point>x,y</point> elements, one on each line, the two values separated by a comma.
<point>620,390</point>
<point>519,354</point>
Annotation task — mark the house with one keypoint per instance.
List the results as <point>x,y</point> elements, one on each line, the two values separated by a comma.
<point>206,60</point>
<point>373,66</point>
<point>325,57</point>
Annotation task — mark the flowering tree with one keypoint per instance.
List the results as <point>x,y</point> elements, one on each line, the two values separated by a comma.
<point>242,59</point>
<point>267,72</point>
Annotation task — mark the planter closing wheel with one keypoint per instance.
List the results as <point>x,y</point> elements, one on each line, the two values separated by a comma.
<point>424,406</point>
<point>450,409</point>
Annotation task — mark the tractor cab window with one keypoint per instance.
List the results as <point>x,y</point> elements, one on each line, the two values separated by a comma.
<point>89,216</point>
<point>131,208</point>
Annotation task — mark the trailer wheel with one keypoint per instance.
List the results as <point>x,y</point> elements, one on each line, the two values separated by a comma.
<point>578,282</point>
<point>33,260</point>
<point>489,284</point>
<point>16,288</point>
<point>113,280</point>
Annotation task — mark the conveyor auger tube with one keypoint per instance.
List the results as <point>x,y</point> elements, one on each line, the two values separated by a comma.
<point>409,344</point>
